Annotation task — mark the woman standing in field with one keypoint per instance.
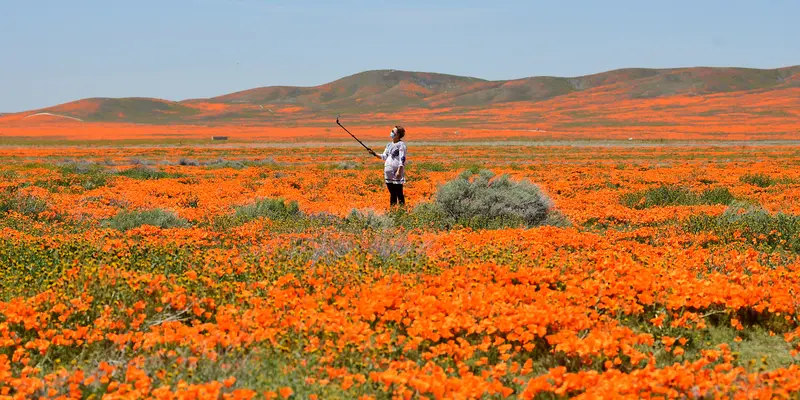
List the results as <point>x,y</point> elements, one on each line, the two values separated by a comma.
<point>394,167</point>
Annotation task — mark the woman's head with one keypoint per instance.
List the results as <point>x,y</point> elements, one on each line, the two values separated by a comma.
<point>398,132</point>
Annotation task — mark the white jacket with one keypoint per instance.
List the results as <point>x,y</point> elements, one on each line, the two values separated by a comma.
<point>394,157</point>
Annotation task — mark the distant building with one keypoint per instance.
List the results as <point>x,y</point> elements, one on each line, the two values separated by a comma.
<point>219,138</point>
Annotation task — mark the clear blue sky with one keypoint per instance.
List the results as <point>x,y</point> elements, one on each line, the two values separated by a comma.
<point>55,51</point>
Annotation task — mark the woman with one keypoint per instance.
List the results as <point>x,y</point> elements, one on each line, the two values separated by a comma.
<point>394,171</point>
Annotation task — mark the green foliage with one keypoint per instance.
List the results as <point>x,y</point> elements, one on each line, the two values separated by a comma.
<point>125,220</point>
<point>360,220</point>
<point>429,166</point>
<point>468,167</point>
<point>374,182</point>
<point>188,162</point>
<point>760,180</point>
<point>22,203</point>
<point>143,173</point>
<point>223,163</point>
<point>83,174</point>
<point>763,180</point>
<point>424,215</point>
<point>754,225</point>
<point>720,195</point>
<point>675,196</point>
<point>341,165</point>
<point>9,174</point>
<point>273,209</point>
<point>270,208</point>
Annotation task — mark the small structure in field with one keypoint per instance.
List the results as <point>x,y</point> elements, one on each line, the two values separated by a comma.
<point>219,138</point>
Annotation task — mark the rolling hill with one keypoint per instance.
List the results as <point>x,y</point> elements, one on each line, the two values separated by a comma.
<point>708,97</point>
<point>393,90</point>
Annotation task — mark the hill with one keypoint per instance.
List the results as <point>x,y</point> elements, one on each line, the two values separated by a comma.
<point>707,97</point>
<point>393,90</point>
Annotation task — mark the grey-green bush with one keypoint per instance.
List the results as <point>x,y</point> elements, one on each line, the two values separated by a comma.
<point>125,220</point>
<point>483,200</point>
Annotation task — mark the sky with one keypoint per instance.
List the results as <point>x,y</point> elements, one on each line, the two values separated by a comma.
<point>56,51</point>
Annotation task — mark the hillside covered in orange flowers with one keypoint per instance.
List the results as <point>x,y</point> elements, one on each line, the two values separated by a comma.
<point>681,103</point>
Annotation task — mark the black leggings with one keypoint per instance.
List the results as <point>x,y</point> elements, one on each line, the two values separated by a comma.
<point>396,193</point>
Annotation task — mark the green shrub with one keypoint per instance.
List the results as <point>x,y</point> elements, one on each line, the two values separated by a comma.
<point>760,180</point>
<point>125,220</point>
<point>274,209</point>
<point>764,180</point>
<point>359,220</point>
<point>720,195</point>
<point>223,163</point>
<point>143,172</point>
<point>375,181</point>
<point>479,200</point>
<point>346,165</point>
<point>188,162</point>
<point>478,197</point>
<point>675,196</point>
<point>468,167</point>
<point>269,208</point>
<point>9,174</point>
<point>751,224</point>
<point>22,203</point>
<point>79,167</point>
<point>84,174</point>
<point>424,215</point>
<point>429,166</point>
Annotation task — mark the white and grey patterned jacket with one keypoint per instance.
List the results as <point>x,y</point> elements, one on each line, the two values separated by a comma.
<point>394,157</point>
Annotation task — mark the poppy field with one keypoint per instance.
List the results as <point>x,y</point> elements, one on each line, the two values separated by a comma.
<point>273,272</point>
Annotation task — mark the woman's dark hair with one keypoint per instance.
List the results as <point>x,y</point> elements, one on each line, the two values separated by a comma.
<point>401,132</point>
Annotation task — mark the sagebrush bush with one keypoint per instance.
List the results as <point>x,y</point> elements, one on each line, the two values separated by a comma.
<point>670,195</point>
<point>125,220</point>
<point>482,200</point>
<point>754,225</point>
